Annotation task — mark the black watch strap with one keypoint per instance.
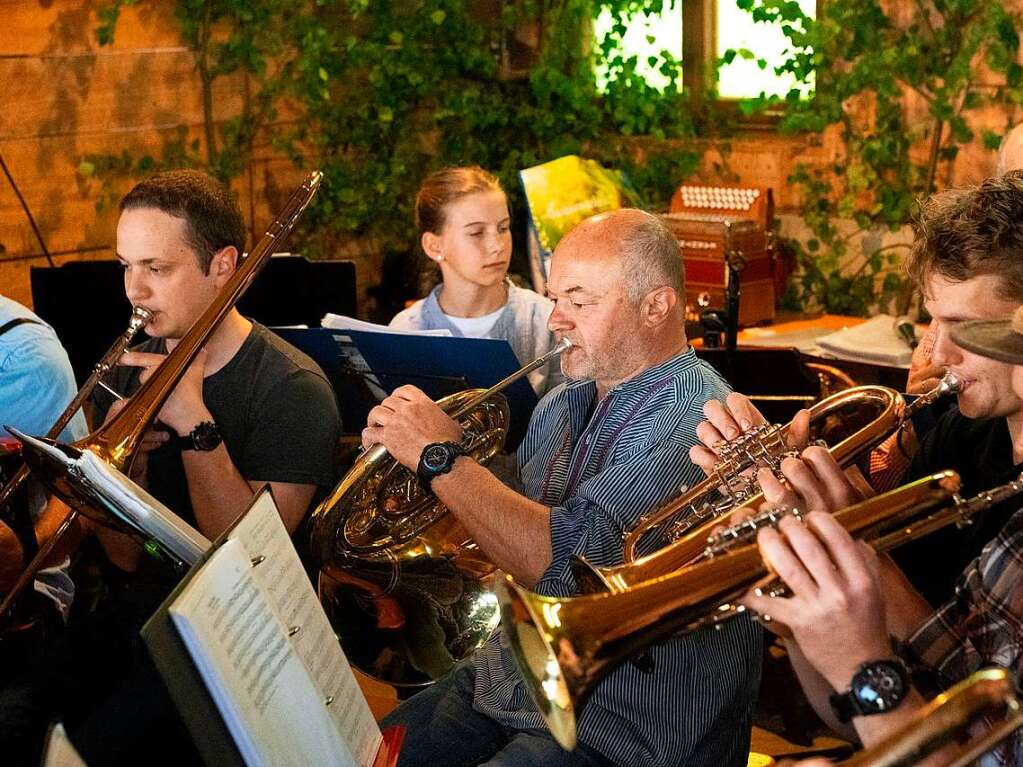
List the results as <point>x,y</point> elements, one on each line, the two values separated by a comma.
<point>876,688</point>
<point>204,438</point>
<point>437,458</point>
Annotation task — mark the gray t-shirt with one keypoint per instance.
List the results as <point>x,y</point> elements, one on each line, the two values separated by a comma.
<point>275,409</point>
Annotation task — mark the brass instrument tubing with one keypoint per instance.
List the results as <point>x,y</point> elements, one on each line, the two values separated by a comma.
<point>562,346</point>
<point>117,440</point>
<point>140,317</point>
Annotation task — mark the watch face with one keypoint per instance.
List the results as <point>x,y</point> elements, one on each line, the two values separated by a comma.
<point>879,687</point>
<point>436,456</point>
<point>206,436</point>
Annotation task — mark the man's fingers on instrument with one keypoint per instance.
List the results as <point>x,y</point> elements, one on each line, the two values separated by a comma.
<point>371,436</point>
<point>775,492</point>
<point>779,555</point>
<point>798,434</point>
<point>838,490</point>
<point>740,514</point>
<point>743,411</point>
<point>813,554</point>
<point>768,611</point>
<point>409,393</point>
<point>703,457</point>
<point>842,548</point>
<point>709,435</point>
<point>805,484</point>
<point>721,419</point>
<point>380,415</point>
<point>141,359</point>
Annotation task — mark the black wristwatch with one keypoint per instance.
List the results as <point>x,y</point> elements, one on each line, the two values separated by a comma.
<point>437,458</point>
<point>876,688</point>
<point>204,437</point>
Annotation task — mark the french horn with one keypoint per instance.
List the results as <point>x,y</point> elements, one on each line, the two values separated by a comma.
<point>565,646</point>
<point>850,423</point>
<point>407,590</point>
<point>117,441</point>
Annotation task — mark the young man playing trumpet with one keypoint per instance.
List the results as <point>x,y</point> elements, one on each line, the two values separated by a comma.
<point>601,450</point>
<point>847,605</point>
<point>967,261</point>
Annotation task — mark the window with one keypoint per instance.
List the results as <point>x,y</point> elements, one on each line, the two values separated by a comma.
<point>744,77</point>
<point>647,37</point>
<point>700,32</point>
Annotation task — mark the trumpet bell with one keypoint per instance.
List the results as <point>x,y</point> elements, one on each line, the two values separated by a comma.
<point>533,623</point>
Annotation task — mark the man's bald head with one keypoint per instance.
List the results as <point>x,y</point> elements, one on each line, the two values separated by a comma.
<point>647,250</point>
<point>1010,153</point>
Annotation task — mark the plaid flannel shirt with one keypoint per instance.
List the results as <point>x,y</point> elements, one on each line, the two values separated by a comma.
<point>982,625</point>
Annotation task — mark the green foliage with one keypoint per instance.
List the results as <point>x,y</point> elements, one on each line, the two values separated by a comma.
<point>378,94</point>
<point>874,63</point>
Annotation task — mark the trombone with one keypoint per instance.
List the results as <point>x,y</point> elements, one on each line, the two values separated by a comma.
<point>564,647</point>
<point>117,441</point>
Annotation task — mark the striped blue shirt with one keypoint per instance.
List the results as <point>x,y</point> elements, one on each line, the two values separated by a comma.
<point>600,466</point>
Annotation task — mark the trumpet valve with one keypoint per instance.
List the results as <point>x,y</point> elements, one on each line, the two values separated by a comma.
<point>744,532</point>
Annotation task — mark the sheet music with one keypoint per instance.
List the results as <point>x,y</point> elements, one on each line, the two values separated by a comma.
<point>142,510</point>
<point>240,646</point>
<point>343,322</point>
<point>285,580</point>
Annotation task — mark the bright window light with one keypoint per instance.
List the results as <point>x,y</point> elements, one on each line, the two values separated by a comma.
<point>646,37</point>
<point>743,77</point>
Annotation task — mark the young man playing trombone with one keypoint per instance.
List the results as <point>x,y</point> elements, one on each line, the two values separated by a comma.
<point>601,449</point>
<point>250,409</point>
<point>856,628</point>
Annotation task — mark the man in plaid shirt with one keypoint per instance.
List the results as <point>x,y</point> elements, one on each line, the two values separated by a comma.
<point>847,605</point>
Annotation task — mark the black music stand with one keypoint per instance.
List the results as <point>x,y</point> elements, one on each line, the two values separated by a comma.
<point>775,379</point>
<point>84,300</point>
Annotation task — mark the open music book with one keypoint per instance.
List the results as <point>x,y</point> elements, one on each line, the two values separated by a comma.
<point>102,486</point>
<point>252,626</point>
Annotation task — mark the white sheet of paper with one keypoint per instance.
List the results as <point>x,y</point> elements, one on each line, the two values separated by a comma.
<point>343,322</point>
<point>143,511</point>
<point>271,706</point>
<point>284,579</point>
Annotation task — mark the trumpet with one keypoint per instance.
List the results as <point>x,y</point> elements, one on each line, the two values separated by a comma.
<point>563,647</point>
<point>850,423</point>
<point>989,695</point>
<point>117,441</point>
<point>407,590</point>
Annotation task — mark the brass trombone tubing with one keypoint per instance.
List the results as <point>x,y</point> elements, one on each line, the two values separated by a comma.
<point>565,646</point>
<point>140,317</point>
<point>117,441</point>
<point>985,693</point>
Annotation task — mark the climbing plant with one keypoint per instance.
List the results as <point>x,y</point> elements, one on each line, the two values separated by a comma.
<point>377,94</point>
<point>901,83</point>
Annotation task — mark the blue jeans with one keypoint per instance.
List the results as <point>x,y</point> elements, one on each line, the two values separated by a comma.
<point>443,730</point>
